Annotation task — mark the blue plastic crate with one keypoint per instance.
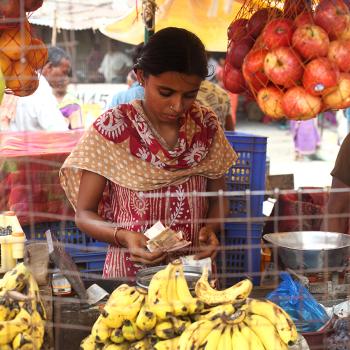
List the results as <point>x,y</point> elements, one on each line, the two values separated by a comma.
<point>90,262</point>
<point>240,253</point>
<point>247,174</point>
<point>77,243</point>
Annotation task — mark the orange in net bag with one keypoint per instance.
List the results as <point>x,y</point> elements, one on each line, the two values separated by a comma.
<point>23,79</point>
<point>37,54</point>
<point>293,56</point>
<point>14,41</point>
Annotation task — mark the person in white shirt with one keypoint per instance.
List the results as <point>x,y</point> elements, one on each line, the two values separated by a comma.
<point>115,65</point>
<point>40,110</point>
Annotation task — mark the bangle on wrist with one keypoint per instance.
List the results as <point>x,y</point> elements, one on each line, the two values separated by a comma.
<point>115,235</point>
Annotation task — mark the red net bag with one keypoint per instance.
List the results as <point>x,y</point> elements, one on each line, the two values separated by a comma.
<point>291,56</point>
<point>22,55</point>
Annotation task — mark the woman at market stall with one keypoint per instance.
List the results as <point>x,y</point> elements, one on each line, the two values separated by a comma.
<point>151,159</point>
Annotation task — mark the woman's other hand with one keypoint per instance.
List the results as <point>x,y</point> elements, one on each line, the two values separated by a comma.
<point>208,244</point>
<point>136,243</point>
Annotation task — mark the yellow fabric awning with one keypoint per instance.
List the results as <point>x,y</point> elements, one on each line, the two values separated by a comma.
<point>208,19</point>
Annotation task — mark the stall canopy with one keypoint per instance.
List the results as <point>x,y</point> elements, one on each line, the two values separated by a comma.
<point>208,19</point>
<point>79,14</point>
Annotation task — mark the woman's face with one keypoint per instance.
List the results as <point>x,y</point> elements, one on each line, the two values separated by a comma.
<point>169,95</point>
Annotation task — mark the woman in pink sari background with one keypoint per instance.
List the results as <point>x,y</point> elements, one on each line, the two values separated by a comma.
<point>152,160</point>
<point>306,138</point>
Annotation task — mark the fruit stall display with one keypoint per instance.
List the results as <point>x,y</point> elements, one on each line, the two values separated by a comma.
<point>168,316</point>
<point>22,54</point>
<point>22,313</point>
<point>292,58</point>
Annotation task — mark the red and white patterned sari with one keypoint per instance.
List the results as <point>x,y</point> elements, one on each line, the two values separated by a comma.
<point>146,180</point>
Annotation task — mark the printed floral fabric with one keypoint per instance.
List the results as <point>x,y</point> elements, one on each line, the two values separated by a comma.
<point>182,207</point>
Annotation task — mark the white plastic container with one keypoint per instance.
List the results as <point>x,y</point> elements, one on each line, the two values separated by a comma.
<point>12,245</point>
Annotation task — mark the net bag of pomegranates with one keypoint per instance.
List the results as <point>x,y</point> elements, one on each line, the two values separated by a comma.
<point>291,56</point>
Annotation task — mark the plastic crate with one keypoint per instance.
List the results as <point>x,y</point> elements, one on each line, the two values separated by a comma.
<point>77,243</point>
<point>247,174</point>
<point>240,254</point>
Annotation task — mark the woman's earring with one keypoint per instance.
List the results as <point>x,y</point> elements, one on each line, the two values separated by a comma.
<point>141,83</point>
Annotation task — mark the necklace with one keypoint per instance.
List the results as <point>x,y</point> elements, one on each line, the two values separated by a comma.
<point>155,131</point>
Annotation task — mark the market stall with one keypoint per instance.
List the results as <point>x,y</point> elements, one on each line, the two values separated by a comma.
<point>179,305</point>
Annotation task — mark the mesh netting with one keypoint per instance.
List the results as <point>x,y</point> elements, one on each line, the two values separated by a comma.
<point>22,55</point>
<point>291,56</point>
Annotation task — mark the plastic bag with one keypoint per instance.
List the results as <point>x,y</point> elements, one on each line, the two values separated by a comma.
<point>307,314</point>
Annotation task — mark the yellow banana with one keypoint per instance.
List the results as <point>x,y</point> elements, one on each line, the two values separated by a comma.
<point>266,331</point>
<point>38,330</point>
<point>121,294</point>
<point>88,343</point>
<point>2,86</point>
<point>192,304</point>
<point>168,344</point>
<point>143,344</point>
<point>146,319</point>
<point>217,311</point>
<point>225,341</point>
<point>157,294</point>
<point>238,340</point>
<point>4,309</point>
<point>14,310</point>
<point>277,316</point>
<point>134,308</point>
<point>164,329</point>
<point>23,341</point>
<point>194,336</point>
<point>210,296</point>
<point>116,312</point>
<point>179,307</point>
<point>254,342</point>
<point>14,279</point>
<point>100,331</point>
<point>34,292</point>
<point>131,332</point>
<point>122,346</point>
<point>212,340</point>
<point>9,329</point>
<point>117,336</point>
<point>179,324</point>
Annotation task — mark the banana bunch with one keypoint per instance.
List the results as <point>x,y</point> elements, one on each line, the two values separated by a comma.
<point>169,317</point>
<point>22,313</point>
<point>258,325</point>
<point>236,294</point>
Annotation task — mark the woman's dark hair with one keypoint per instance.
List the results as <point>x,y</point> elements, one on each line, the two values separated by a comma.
<point>173,49</point>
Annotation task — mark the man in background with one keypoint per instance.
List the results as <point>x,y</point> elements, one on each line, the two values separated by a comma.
<point>135,90</point>
<point>40,111</point>
<point>115,64</point>
<point>93,63</point>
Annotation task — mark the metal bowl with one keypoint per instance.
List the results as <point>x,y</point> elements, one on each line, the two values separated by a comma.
<point>316,250</point>
<point>144,276</point>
